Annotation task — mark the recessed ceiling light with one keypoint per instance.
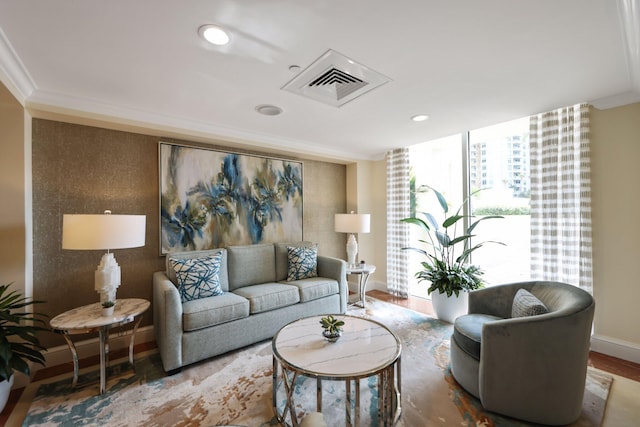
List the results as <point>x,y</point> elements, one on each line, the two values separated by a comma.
<point>269,110</point>
<point>214,35</point>
<point>419,118</point>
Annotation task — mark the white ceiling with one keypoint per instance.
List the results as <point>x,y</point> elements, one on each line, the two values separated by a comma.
<point>466,64</point>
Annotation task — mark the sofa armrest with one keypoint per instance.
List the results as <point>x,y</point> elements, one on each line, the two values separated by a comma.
<point>335,268</point>
<point>167,321</point>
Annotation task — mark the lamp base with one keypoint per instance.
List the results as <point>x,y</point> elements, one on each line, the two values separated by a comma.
<point>352,250</point>
<point>107,278</point>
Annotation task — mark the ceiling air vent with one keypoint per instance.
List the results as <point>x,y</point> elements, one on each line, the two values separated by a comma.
<point>335,79</point>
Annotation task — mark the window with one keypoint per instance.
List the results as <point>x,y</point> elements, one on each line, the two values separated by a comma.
<point>435,164</point>
<point>500,167</point>
<point>507,196</point>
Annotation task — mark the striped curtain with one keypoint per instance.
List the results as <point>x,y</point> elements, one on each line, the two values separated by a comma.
<point>561,196</point>
<point>397,232</point>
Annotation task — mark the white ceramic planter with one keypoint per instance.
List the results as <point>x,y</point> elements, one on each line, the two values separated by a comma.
<point>108,311</point>
<point>5,389</point>
<point>449,308</point>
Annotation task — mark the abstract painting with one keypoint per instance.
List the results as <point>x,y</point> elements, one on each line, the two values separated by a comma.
<point>211,199</point>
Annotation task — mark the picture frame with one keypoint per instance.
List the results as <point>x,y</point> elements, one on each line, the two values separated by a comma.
<point>211,198</point>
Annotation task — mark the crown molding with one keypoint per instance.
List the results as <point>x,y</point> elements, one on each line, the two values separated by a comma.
<point>13,73</point>
<point>56,106</point>
<point>629,14</point>
<point>614,101</point>
<point>629,17</point>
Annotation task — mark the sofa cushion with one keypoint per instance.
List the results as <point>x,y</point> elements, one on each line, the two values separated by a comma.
<point>198,277</point>
<point>315,288</point>
<point>467,331</point>
<point>205,312</point>
<point>222,275</point>
<point>303,262</point>
<point>282,257</point>
<point>269,296</point>
<point>251,265</point>
<point>526,304</point>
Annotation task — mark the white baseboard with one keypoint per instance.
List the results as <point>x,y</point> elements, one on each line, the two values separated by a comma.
<point>377,285</point>
<point>615,347</point>
<point>61,354</point>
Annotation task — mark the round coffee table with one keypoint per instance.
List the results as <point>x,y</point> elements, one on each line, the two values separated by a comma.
<point>366,349</point>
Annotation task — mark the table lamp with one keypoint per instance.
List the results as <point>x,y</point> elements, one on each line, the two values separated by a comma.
<point>100,232</point>
<point>352,223</point>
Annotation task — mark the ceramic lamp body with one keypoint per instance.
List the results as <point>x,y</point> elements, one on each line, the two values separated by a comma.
<point>107,278</point>
<point>352,250</point>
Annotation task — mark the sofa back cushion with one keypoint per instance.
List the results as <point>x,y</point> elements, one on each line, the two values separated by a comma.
<point>251,265</point>
<point>223,274</point>
<point>282,262</point>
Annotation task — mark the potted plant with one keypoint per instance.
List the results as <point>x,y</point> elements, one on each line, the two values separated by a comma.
<point>19,344</point>
<point>446,264</point>
<point>332,328</point>
<point>107,308</point>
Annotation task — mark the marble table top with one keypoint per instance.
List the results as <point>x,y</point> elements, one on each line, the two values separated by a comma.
<point>365,348</point>
<point>90,316</point>
<point>361,269</point>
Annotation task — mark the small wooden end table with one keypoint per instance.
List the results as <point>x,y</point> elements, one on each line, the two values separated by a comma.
<point>89,319</point>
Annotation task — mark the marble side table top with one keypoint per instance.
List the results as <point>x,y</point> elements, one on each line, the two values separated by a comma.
<point>365,347</point>
<point>361,269</point>
<point>90,316</point>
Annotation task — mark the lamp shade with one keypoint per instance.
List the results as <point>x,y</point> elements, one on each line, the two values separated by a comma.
<point>352,223</point>
<point>106,231</point>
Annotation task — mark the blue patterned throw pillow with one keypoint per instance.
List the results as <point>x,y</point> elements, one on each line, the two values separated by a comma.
<point>526,304</point>
<point>198,277</point>
<point>303,262</point>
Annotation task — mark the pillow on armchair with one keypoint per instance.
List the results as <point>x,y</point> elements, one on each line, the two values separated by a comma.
<point>526,304</point>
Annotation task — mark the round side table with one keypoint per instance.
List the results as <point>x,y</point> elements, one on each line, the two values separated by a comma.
<point>88,319</point>
<point>363,271</point>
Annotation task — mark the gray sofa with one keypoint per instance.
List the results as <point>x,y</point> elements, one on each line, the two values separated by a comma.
<point>256,303</point>
<point>531,367</point>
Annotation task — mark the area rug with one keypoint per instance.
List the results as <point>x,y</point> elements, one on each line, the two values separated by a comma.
<point>237,389</point>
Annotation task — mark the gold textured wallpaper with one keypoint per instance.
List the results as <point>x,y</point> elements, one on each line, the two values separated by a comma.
<point>83,169</point>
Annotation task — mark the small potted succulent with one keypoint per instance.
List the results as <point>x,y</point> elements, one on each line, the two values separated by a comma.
<point>332,328</point>
<point>107,308</point>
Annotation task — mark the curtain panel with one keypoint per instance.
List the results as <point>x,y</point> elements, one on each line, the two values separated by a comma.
<point>561,241</point>
<point>397,232</point>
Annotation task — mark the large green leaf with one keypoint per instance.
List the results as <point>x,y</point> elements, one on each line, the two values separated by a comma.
<point>21,327</point>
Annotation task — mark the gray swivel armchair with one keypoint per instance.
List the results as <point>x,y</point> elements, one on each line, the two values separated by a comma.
<point>531,368</point>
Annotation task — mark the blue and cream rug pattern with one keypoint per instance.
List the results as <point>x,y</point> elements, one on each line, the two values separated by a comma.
<point>237,388</point>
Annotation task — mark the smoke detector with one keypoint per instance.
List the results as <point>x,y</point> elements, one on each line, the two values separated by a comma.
<point>335,80</point>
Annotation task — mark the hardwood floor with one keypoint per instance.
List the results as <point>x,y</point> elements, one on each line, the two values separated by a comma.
<point>601,361</point>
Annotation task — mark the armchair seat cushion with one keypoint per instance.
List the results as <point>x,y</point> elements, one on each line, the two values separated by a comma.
<point>206,312</point>
<point>467,332</point>
<point>269,296</point>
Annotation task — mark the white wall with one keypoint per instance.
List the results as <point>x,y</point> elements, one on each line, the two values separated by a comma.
<point>615,166</point>
<point>369,196</point>
<point>12,191</point>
